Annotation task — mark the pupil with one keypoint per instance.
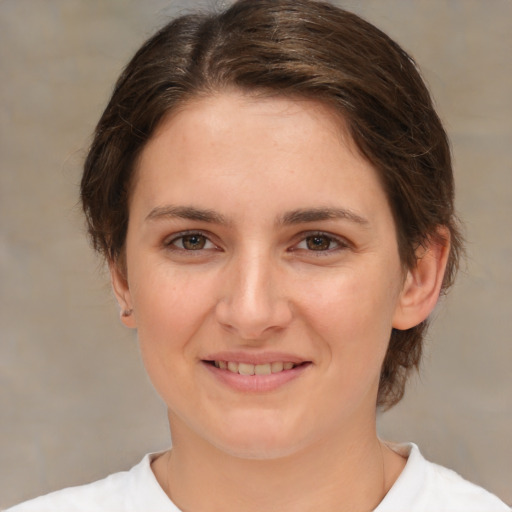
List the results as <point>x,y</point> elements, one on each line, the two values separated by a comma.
<point>317,243</point>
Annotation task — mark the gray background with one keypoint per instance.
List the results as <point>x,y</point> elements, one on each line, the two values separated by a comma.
<point>75,403</point>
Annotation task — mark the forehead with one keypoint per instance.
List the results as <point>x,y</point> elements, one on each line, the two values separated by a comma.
<point>232,113</point>
<point>257,147</point>
<point>226,118</point>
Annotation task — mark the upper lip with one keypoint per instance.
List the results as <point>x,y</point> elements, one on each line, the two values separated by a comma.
<point>255,358</point>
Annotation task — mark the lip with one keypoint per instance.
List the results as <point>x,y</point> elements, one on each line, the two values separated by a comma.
<point>255,383</point>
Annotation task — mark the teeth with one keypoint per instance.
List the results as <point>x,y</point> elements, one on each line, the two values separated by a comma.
<point>254,369</point>
<point>233,367</point>
<point>262,369</point>
<point>245,369</point>
<point>277,367</point>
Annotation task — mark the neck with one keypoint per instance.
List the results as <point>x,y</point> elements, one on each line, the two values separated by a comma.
<point>340,474</point>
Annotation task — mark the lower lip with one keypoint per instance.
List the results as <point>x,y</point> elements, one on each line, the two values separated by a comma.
<point>256,383</point>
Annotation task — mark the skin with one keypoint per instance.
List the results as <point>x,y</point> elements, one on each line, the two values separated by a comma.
<point>220,257</point>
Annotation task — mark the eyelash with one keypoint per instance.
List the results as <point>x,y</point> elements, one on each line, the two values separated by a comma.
<point>340,243</point>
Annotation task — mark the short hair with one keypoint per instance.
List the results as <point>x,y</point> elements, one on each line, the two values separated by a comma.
<point>292,48</point>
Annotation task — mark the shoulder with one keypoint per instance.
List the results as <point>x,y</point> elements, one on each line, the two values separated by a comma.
<point>424,486</point>
<point>449,488</point>
<point>126,491</point>
<point>97,496</point>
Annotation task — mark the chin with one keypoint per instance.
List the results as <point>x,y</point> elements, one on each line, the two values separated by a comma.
<point>259,439</point>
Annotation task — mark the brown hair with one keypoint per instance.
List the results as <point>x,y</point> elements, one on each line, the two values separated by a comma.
<point>299,48</point>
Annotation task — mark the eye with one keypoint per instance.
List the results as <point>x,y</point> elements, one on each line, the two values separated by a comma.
<point>193,242</point>
<point>321,242</point>
<point>190,242</point>
<point>318,242</point>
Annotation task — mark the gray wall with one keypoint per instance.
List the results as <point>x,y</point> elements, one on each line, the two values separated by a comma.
<point>75,403</point>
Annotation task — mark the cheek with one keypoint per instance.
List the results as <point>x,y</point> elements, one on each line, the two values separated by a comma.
<point>354,301</point>
<point>170,309</point>
<point>170,306</point>
<point>352,315</point>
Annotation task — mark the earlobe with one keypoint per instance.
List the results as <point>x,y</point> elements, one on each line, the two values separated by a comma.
<point>122,293</point>
<point>423,283</point>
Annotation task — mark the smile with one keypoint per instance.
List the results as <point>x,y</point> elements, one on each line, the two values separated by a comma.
<point>264,373</point>
<point>254,369</point>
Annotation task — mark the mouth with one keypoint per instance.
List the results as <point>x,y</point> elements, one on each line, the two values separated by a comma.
<point>255,369</point>
<point>255,373</point>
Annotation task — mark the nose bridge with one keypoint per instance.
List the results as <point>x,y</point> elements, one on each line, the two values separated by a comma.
<point>253,302</point>
<point>256,283</point>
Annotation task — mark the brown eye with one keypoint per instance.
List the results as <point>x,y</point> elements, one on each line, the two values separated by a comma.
<point>194,242</point>
<point>318,243</point>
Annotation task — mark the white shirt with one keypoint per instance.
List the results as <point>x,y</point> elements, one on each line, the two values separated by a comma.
<point>421,487</point>
<point>426,487</point>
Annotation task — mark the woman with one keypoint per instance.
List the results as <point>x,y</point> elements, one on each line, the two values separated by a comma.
<point>272,190</point>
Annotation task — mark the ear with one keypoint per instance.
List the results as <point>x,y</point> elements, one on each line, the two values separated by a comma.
<point>122,293</point>
<point>423,283</point>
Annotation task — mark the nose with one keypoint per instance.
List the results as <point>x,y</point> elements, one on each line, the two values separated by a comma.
<point>253,303</point>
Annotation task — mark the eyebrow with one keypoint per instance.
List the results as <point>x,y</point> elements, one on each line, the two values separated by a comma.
<point>306,215</point>
<point>186,212</point>
<point>299,216</point>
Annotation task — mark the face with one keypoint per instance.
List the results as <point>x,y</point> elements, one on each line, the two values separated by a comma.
<point>263,273</point>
